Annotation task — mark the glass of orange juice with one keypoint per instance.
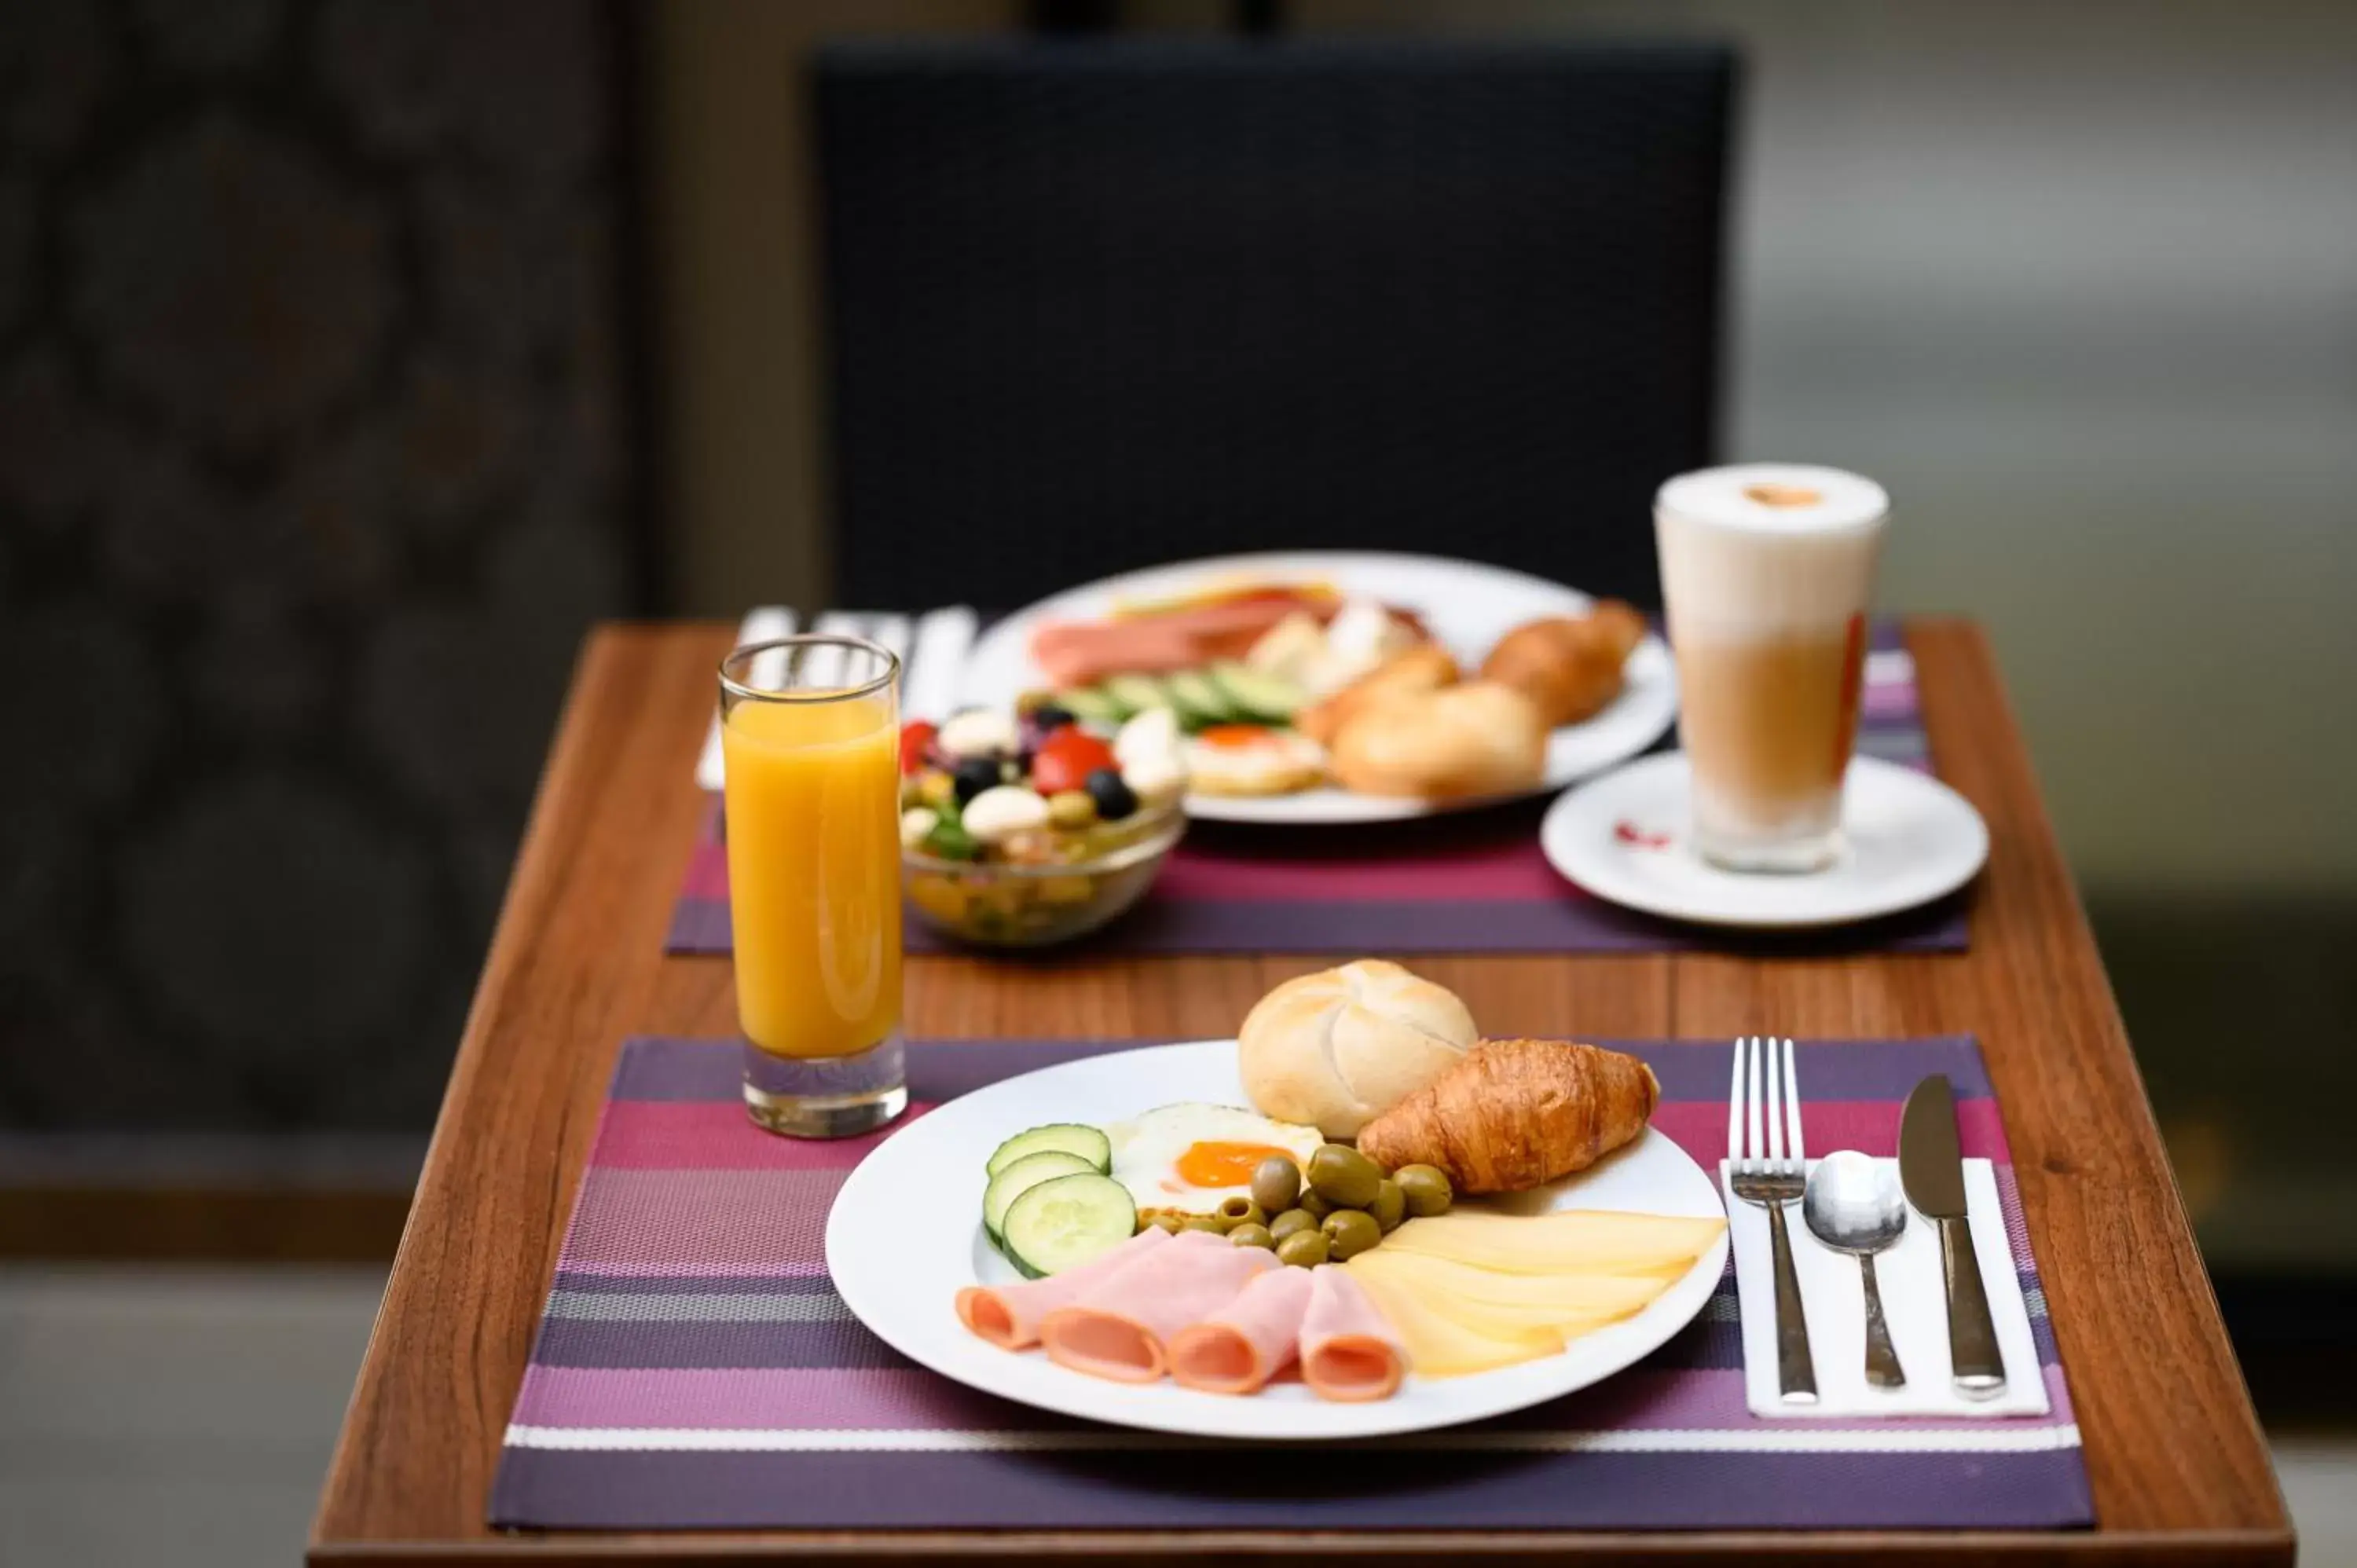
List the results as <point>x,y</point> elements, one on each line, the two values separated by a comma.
<point>809,731</point>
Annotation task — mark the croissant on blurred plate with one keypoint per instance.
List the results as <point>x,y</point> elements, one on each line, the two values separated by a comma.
<point>1568,665</point>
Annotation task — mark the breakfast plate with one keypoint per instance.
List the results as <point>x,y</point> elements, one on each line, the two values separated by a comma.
<point>903,1239</point>
<point>1909,839</point>
<point>1466,606</point>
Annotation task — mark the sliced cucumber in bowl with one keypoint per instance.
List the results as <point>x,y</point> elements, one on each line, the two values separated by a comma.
<point>1019,1177</point>
<point>1066,1221</point>
<point>1071,1137</point>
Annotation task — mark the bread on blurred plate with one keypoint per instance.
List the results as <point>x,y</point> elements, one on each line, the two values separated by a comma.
<point>1477,738</point>
<point>1569,666</point>
<point>1341,1047</point>
<point>1427,667</point>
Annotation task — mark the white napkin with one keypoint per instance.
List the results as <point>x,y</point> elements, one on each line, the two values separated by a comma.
<point>1914,1303</point>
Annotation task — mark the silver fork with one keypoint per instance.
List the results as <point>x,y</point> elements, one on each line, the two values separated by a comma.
<point>1769,1172</point>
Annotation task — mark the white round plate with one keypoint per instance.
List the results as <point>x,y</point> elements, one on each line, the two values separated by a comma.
<point>1468,607</point>
<point>906,1235</point>
<point>1910,839</point>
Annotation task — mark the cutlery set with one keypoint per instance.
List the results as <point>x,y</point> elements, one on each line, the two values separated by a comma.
<point>1852,1203</point>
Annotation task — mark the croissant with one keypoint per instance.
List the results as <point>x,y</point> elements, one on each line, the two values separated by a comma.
<point>1515,1114</point>
<point>1571,667</point>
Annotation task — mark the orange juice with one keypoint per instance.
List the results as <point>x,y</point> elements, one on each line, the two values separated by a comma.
<point>814,873</point>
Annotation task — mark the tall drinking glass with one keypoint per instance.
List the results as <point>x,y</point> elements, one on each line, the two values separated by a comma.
<point>1766,572</point>
<point>810,732</point>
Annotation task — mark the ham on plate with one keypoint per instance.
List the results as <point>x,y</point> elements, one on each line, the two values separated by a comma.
<point>1182,637</point>
<point>1121,1326</point>
<point>1349,1352</point>
<point>1008,1315</point>
<point>1248,1341</point>
<point>1217,1318</point>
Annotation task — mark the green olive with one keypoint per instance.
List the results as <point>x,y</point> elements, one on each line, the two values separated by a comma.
<point>1312,1205</point>
<point>1252,1236</point>
<point>1303,1249</point>
<point>1275,1184</point>
<point>1241,1211</point>
<point>1291,1220</point>
<point>1203,1222</point>
<point>1343,1176</point>
<point>1071,808</point>
<point>1426,1189</point>
<point>1389,1208</point>
<point>1351,1231</point>
<point>1170,1222</point>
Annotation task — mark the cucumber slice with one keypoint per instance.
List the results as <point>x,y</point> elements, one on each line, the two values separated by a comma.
<point>1024,1174</point>
<point>1199,699</point>
<point>1090,706</point>
<point>1071,1137</point>
<point>1268,698</point>
<point>1137,692</point>
<point>1066,1221</point>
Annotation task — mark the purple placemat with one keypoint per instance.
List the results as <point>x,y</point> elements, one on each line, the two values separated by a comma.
<point>695,1370</point>
<point>1474,882</point>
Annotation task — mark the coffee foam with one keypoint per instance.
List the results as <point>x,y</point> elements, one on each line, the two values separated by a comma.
<point>1776,498</point>
<point>1767,550</point>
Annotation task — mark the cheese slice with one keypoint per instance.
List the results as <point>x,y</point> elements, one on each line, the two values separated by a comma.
<point>1574,1295</point>
<point>1573,1243</point>
<point>1438,1347</point>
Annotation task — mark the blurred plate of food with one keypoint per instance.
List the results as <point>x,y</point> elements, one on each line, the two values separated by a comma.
<point>1331,686</point>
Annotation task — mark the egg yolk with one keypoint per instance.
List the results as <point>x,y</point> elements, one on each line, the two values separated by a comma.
<point>1224,1165</point>
<point>1233,736</point>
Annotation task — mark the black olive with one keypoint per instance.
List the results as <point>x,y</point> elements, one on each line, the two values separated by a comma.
<point>1048,718</point>
<point>1115,798</point>
<point>974,775</point>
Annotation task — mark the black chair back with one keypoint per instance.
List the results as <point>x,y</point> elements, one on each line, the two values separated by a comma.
<point>1097,304</point>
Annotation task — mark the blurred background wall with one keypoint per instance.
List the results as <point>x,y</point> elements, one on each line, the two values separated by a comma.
<point>2079,282</point>
<point>316,457</point>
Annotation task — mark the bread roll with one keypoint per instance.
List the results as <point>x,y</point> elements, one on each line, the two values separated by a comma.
<point>1479,738</point>
<point>1424,668</point>
<point>1340,1047</point>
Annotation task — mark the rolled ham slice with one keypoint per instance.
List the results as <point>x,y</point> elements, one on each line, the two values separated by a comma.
<point>1008,1315</point>
<point>1248,1341</point>
<point>1121,1326</point>
<point>1080,654</point>
<point>1349,1352</point>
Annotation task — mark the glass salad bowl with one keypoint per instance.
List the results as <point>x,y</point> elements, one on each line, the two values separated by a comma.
<point>1084,882</point>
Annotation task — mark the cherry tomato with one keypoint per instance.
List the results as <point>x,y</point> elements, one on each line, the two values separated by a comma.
<point>1066,758</point>
<point>916,740</point>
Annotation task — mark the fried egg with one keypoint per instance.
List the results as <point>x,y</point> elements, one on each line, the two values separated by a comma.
<point>1186,1158</point>
<point>1253,759</point>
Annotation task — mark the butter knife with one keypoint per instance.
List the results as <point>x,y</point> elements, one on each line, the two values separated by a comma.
<point>1931,1168</point>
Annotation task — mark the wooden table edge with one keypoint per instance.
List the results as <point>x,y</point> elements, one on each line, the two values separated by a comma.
<point>1402,1549</point>
<point>2193,1546</point>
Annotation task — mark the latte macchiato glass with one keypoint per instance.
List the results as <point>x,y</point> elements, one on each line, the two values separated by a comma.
<point>1767,569</point>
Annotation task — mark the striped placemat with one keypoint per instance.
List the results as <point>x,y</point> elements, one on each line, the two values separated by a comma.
<point>694,1369</point>
<point>1474,882</point>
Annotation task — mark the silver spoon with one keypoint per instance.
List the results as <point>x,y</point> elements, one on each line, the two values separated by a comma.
<point>1853,1204</point>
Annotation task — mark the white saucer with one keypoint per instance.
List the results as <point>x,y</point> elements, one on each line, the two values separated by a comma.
<point>1623,837</point>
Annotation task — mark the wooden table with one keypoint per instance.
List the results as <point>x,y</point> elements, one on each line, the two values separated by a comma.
<point>2173,1450</point>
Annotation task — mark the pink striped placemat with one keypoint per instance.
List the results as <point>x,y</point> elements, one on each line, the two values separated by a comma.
<point>695,1368</point>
